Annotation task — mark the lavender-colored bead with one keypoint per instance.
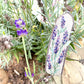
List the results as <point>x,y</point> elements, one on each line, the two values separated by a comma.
<point>65,37</point>
<point>55,28</point>
<point>48,58</point>
<point>49,65</point>
<point>57,45</point>
<point>53,35</point>
<point>54,32</point>
<point>62,56</point>
<point>60,59</point>
<point>56,49</point>
<point>62,22</point>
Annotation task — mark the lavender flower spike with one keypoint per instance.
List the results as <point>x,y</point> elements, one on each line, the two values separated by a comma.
<point>19,23</point>
<point>22,32</point>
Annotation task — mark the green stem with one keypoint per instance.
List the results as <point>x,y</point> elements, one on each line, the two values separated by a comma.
<point>26,55</point>
<point>27,59</point>
<point>32,81</point>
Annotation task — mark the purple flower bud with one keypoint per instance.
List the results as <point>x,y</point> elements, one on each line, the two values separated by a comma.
<point>32,74</point>
<point>19,23</point>
<point>22,32</point>
<point>29,74</point>
<point>25,74</point>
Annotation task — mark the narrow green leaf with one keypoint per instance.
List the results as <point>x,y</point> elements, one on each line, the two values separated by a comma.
<point>29,54</point>
<point>34,66</point>
<point>72,45</point>
<point>17,57</point>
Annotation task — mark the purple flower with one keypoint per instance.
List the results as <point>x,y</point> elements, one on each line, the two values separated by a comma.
<point>19,23</point>
<point>65,37</point>
<point>25,74</point>
<point>56,45</point>
<point>54,32</point>
<point>62,22</point>
<point>22,32</point>
<point>32,74</point>
<point>29,74</point>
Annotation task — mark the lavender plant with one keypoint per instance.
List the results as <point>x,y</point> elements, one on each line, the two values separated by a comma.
<point>38,24</point>
<point>20,24</point>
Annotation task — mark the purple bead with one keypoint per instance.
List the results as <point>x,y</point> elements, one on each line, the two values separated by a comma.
<point>48,58</point>
<point>53,35</point>
<point>60,59</point>
<point>49,62</point>
<point>57,45</point>
<point>49,65</point>
<point>65,37</point>
<point>56,50</point>
<point>55,28</point>
<point>62,22</point>
<point>54,32</point>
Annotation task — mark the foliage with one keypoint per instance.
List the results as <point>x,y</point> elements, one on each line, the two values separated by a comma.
<point>39,31</point>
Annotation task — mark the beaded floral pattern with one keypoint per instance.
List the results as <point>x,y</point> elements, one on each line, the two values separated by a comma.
<point>65,37</point>
<point>58,44</point>
<point>49,62</point>
<point>62,22</point>
<point>54,32</point>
